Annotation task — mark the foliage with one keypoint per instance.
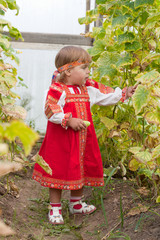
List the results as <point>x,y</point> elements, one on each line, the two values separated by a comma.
<point>126,51</point>
<point>15,136</point>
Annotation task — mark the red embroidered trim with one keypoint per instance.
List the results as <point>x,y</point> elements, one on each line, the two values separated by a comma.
<point>65,119</point>
<point>70,65</point>
<point>67,185</point>
<point>51,106</point>
<point>105,89</point>
<point>123,94</point>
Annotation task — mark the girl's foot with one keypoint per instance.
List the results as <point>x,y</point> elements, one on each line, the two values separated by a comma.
<point>79,207</point>
<point>55,214</point>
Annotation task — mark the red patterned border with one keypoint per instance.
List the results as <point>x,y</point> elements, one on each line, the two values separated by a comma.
<point>65,119</point>
<point>67,185</point>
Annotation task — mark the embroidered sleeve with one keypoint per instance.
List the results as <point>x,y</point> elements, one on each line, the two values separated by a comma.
<point>123,94</point>
<point>53,96</point>
<point>54,106</point>
<point>105,89</point>
<point>102,88</point>
<point>65,119</point>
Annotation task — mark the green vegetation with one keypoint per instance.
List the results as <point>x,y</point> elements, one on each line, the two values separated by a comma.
<point>16,138</point>
<point>126,52</point>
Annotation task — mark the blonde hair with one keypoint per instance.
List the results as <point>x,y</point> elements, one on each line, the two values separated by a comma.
<point>70,54</point>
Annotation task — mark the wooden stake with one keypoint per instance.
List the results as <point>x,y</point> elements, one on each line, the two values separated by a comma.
<point>88,3</point>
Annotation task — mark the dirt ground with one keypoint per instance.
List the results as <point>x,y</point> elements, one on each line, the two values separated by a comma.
<point>126,214</point>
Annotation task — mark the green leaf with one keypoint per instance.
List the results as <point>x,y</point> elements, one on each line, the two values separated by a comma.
<point>27,136</point>
<point>147,172</point>
<point>129,5</point>
<point>140,98</point>
<point>153,19</point>
<point>101,1</point>
<point>107,171</point>
<point>86,20</point>
<point>107,71</point>
<point>98,48</point>
<point>8,78</point>
<point>4,43</point>
<point>153,117</point>
<point>5,22</point>
<point>143,156</point>
<point>109,123</point>
<point>143,16</point>
<point>120,21</point>
<point>13,5</point>
<point>151,57</point>
<point>158,199</point>
<point>126,37</point>
<point>14,32</point>
<point>135,150</point>
<point>108,59</point>
<point>133,46</point>
<point>4,3</point>
<point>92,13</point>
<point>8,100</point>
<point>12,55</point>
<point>148,77</point>
<point>156,151</point>
<point>124,60</point>
<point>2,12</point>
<point>134,164</point>
<point>149,26</point>
<point>139,3</point>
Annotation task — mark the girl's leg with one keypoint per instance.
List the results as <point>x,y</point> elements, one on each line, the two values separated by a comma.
<point>77,193</point>
<point>55,195</point>
<point>76,205</point>
<point>55,215</point>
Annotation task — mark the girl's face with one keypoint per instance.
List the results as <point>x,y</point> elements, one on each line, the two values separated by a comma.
<point>78,75</point>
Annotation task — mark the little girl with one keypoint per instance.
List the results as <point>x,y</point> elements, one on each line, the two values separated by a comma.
<point>71,148</point>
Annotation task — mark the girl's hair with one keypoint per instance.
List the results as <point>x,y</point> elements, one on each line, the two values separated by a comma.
<point>71,54</point>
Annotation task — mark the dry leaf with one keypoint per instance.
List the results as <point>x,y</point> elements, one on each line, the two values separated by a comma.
<point>114,133</point>
<point>14,111</point>
<point>144,191</point>
<point>5,230</point>
<point>14,190</point>
<point>7,167</point>
<point>6,157</point>
<point>137,210</point>
<point>38,159</point>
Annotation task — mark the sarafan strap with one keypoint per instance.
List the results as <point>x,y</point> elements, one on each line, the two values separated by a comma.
<point>70,65</point>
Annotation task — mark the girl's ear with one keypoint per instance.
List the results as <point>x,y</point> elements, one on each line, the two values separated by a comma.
<point>68,72</point>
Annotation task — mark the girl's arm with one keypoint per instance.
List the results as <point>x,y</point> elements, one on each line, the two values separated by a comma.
<point>104,95</point>
<point>54,106</point>
<point>105,89</point>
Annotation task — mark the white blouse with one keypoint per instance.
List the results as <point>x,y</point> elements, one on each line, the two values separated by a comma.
<point>96,97</point>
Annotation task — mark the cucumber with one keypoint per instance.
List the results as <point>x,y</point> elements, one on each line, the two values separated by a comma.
<point>87,123</point>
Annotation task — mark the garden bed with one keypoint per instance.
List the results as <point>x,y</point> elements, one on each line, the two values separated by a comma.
<point>128,213</point>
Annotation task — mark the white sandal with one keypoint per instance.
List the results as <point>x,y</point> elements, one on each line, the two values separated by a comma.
<point>54,215</point>
<point>85,209</point>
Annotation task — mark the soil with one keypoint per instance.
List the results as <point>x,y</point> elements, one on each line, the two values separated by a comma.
<point>25,208</point>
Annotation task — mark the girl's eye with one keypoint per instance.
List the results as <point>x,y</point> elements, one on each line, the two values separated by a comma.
<point>84,66</point>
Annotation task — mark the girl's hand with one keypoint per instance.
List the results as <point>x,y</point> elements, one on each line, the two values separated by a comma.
<point>76,124</point>
<point>130,91</point>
